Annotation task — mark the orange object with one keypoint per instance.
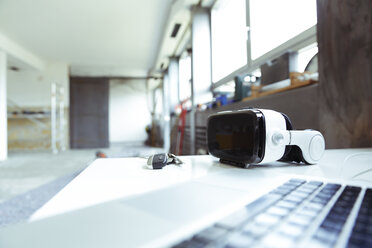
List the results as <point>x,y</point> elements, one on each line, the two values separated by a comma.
<point>100,155</point>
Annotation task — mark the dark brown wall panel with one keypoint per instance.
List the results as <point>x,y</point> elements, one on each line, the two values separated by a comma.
<point>89,98</point>
<point>345,72</point>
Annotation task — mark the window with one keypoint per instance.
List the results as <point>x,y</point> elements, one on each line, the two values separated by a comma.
<point>184,76</point>
<point>305,55</point>
<point>158,102</point>
<point>274,22</point>
<point>227,89</point>
<point>229,37</point>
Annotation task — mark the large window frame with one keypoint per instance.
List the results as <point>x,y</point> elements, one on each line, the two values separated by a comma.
<point>228,26</point>
<point>298,42</point>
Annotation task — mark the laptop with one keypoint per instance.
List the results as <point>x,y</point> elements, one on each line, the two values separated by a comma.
<point>230,208</point>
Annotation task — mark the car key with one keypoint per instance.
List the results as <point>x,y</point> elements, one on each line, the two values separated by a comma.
<point>158,161</point>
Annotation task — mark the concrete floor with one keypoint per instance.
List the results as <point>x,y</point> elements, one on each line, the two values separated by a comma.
<point>27,170</point>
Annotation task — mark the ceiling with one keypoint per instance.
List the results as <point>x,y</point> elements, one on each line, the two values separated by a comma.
<point>111,35</point>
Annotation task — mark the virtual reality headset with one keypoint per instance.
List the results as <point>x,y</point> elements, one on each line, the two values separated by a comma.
<point>256,136</point>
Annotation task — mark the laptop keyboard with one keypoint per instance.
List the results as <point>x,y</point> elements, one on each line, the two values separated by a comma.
<point>297,213</point>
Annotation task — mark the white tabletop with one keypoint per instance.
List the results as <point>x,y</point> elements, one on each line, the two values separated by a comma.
<point>109,179</point>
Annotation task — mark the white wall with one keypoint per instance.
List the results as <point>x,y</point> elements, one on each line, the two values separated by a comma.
<point>31,88</point>
<point>128,111</point>
<point>3,110</point>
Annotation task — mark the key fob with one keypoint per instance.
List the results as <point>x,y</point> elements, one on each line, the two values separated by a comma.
<point>158,161</point>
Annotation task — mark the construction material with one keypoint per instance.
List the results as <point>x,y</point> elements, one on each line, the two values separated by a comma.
<point>57,118</point>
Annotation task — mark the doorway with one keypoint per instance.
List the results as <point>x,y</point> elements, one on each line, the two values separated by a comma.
<point>89,112</point>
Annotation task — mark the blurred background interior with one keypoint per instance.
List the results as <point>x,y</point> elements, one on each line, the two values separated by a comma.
<point>85,79</point>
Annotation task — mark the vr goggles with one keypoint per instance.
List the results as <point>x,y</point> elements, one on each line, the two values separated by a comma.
<point>255,136</point>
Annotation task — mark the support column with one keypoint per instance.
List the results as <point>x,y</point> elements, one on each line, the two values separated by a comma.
<point>173,83</point>
<point>166,113</point>
<point>345,75</point>
<point>201,55</point>
<point>3,109</point>
<point>201,64</point>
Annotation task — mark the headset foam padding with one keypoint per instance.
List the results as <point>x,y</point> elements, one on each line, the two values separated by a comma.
<point>291,153</point>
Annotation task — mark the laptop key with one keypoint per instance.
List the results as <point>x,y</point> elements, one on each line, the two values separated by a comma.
<point>237,240</point>
<point>275,219</point>
<point>278,240</point>
<point>333,224</point>
<point>316,207</point>
<point>252,209</point>
<point>235,219</point>
<point>300,220</point>
<point>329,230</point>
<point>323,196</point>
<point>297,181</point>
<point>287,187</point>
<point>255,230</point>
<point>315,183</point>
<point>295,199</point>
<point>327,236</point>
<point>190,244</point>
<point>267,219</point>
<point>363,228</point>
<point>286,204</point>
<point>278,211</point>
<point>360,241</point>
<point>361,235</point>
<point>308,212</point>
<point>283,190</point>
<point>291,229</point>
<point>262,203</point>
<point>210,234</point>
